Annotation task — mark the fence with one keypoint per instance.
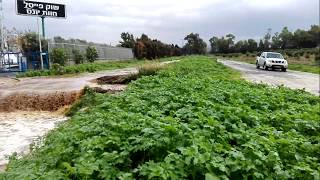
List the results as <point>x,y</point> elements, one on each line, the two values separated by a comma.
<point>11,62</point>
<point>105,52</point>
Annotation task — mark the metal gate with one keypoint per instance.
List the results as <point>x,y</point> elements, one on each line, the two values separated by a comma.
<point>34,60</point>
<point>12,62</point>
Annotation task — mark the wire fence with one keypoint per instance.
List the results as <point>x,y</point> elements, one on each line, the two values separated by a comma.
<point>105,52</point>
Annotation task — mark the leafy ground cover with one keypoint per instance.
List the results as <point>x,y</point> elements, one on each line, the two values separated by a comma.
<point>88,67</point>
<point>196,119</point>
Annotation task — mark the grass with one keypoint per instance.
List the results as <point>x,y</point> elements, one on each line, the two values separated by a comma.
<point>295,63</point>
<point>305,68</point>
<point>149,69</point>
<point>89,67</point>
<point>195,119</point>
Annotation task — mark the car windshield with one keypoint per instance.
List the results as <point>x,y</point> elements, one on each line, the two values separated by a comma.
<point>274,55</point>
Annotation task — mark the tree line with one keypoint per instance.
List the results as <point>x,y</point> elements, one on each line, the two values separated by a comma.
<point>283,40</point>
<point>147,48</point>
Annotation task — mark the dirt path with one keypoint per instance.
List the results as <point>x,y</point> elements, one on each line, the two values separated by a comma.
<point>54,84</point>
<point>292,79</point>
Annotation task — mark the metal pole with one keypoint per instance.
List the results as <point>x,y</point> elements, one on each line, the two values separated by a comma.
<point>43,29</point>
<point>2,36</point>
<point>40,45</point>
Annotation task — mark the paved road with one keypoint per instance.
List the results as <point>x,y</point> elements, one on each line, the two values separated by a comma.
<point>291,79</point>
<point>54,84</point>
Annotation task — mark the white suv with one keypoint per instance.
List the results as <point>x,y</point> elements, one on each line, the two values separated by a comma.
<point>271,60</point>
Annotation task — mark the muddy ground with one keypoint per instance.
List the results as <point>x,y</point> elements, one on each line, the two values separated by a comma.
<point>19,129</point>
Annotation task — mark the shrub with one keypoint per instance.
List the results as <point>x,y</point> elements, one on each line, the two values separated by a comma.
<point>78,57</point>
<point>317,58</point>
<point>58,69</point>
<point>307,56</point>
<point>300,52</point>
<point>59,56</point>
<point>91,54</point>
<point>289,53</point>
<point>150,69</point>
<point>296,54</point>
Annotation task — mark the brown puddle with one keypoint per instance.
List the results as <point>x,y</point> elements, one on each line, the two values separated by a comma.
<point>25,117</point>
<point>19,129</point>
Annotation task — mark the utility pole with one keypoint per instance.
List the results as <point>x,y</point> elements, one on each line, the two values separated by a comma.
<point>40,44</point>
<point>1,24</point>
<point>43,28</point>
<point>1,35</point>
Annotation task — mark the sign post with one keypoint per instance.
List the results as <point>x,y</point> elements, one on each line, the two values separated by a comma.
<point>43,29</point>
<point>43,10</point>
<point>40,44</point>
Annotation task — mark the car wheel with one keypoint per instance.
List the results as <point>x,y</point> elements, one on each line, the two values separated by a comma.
<point>284,70</point>
<point>257,65</point>
<point>265,67</point>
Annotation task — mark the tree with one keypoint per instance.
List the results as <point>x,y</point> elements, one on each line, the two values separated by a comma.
<point>267,38</point>
<point>230,38</point>
<point>276,41</point>
<point>58,56</point>
<point>77,56</point>
<point>286,37</point>
<point>91,54</point>
<point>252,45</point>
<point>315,33</point>
<point>214,44</point>
<point>261,45</point>
<point>127,40</point>
<point>12,39</point>
<point>195,45</point>
<point>303,39</point>
<point>29,42</point>
<point>145,47</point>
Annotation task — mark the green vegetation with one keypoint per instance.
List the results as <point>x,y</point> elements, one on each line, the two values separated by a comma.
<point>192,120</point>
<point>78,56</point>
<point>284,40</point>
<point>150,69</point>
<point>56,69</point>
<point>91,54</point>
<point>194,45</point>
<point>147,48</point>
<point>82,68</point>
<point>305,68</point>
<point>58,56</point>
<point>29,42</point>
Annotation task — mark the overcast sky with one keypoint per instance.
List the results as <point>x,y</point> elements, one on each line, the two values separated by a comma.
<point>170,20</point>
